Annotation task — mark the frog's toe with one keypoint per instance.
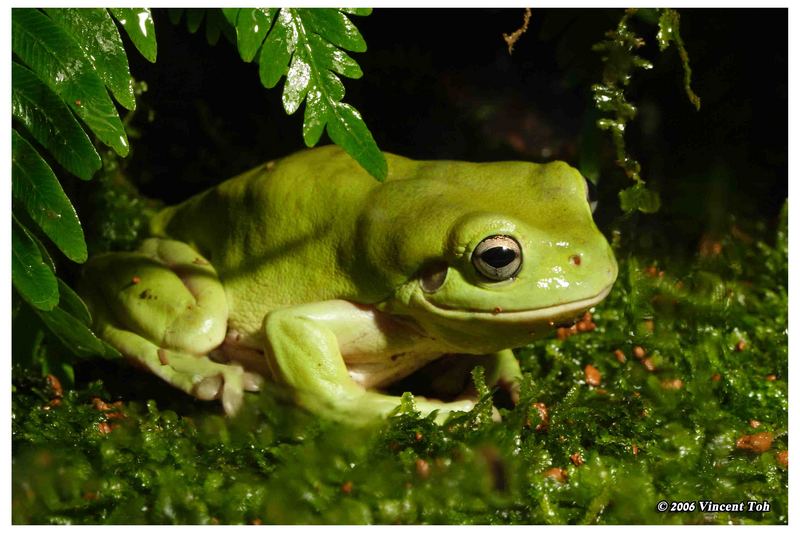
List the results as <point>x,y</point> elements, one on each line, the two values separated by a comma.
<point>227,384</point>
<point>252,381</point>
<point>232,398</point>
<point>233,389</point>
<point>208,388</point>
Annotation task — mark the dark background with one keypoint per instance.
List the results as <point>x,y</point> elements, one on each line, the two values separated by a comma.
<point>440,84</point>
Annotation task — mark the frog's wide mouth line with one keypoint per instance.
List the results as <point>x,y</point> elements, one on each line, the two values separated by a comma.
<point>551,313</point>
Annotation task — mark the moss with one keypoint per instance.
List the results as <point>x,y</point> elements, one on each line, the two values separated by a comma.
<point>703,354</point>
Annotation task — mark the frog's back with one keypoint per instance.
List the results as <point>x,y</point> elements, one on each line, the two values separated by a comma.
<point>280,234</point>
<point>315,226</point>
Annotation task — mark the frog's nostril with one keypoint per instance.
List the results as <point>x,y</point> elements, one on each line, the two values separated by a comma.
<point>575,260</point>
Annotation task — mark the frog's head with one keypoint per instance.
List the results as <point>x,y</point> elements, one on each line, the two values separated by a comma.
<point>492,254</point>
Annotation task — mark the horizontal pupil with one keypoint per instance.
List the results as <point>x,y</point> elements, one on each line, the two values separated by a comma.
<point>499,256</point>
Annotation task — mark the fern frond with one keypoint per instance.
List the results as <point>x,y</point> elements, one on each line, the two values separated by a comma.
<point>32,278</point>
<point>215,25</point>
<point>138,24</point>
<point>309,48</point>
<point>94,30</point>
<point>35,186</point>
<point>65,63</point>
<point>48,119</point>
<point>58,60</point>
<point>70,321</point>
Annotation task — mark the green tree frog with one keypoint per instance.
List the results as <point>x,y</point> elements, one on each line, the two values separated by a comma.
<point>308,273</point>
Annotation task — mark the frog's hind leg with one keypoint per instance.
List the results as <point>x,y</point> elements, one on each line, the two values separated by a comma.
<point>165,308</point>
<point>196,375</point>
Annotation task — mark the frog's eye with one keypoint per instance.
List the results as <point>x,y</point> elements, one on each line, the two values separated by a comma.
<point>498,257</point>
<point>591,194</point>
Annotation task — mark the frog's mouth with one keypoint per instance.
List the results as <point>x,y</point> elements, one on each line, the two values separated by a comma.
<point>554,313</point>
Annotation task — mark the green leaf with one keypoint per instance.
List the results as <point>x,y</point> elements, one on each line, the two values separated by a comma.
<point>34,184</point>
<point>71,322</point>
<point>95,31</point>
<point>252,25</point>
<point>32,278</point>
<point>357,11</point>
<point>638,197</point>
<point>335,27</point>
<point>277,50</point>
<point>73,304</point>
<point>215,25</point>
<point>315,118</point>
<point>45,255</point>
<point>231,14</point>
<point>75,335</point>
<point>138,24</point>
<point>347,129</point>
<point>332,85</point>
<point>194,17</point>
<point>305,45</point>
<point>216,22</point>
<point>60,63</point>
<point>335,59</point>
<point>51,123</point>
<point>175,14</point>
<point>296,85</point>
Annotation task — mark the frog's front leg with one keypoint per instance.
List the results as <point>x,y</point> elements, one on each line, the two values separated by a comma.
<point>306,347</point>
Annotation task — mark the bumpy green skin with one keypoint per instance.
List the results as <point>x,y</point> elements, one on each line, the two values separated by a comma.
<point>308,271</point>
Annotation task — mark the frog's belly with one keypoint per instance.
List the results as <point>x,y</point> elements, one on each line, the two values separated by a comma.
<point>368,369</point>
<point>384,372</point>
<point>377,348</point>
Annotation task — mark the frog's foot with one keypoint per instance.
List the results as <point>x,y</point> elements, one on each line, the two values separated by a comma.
<point>194,374</point>
<point>227,383</point>
<point>165,308</point>
<point>204,379</point>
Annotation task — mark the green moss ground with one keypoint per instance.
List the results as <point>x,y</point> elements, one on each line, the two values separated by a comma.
<point>642,436</point>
